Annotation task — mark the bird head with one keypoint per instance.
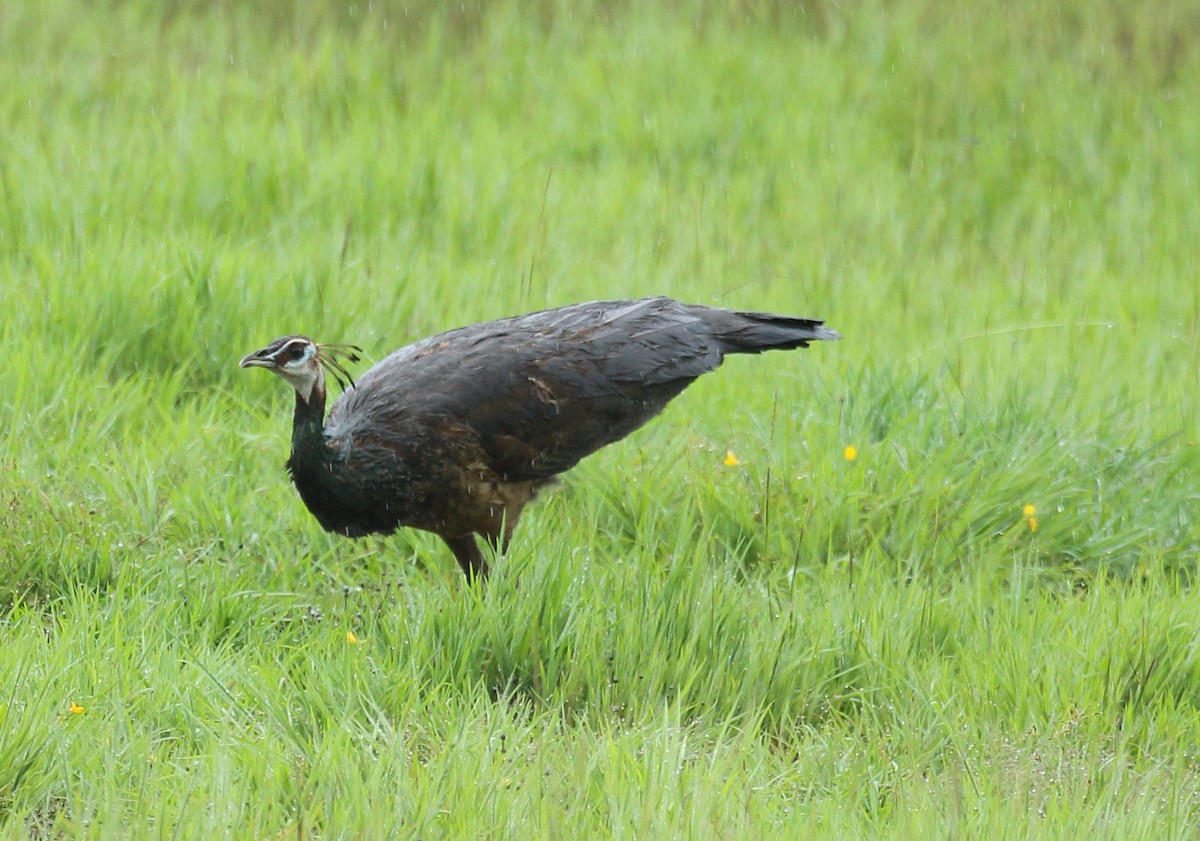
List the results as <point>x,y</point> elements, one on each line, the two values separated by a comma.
<point>302,362</point>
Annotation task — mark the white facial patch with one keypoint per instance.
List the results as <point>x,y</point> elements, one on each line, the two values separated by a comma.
<point>302,372</point>
<point>307,353</point>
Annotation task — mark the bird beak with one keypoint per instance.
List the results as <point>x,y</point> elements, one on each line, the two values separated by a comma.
<point>258,359</point>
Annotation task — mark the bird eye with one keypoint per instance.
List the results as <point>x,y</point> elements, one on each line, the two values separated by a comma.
<point>295,351</point>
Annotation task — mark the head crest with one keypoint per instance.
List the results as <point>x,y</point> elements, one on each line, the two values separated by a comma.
<point>335,357</point>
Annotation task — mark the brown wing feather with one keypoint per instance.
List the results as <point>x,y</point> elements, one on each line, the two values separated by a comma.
<point>543,390</point>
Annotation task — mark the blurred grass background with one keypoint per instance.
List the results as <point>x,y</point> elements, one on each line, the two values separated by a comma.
<point>996,205</point>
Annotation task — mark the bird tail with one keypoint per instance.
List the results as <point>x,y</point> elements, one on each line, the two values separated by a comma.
<point>754,332</point>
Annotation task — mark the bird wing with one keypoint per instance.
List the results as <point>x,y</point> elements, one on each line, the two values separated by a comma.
<point>540,391</point>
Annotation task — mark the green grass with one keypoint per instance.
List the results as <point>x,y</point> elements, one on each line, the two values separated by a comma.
<point>998,208</point>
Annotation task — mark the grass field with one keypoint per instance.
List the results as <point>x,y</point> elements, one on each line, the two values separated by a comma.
<point>999,208</point>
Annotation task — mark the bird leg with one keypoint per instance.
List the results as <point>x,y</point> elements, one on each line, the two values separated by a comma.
<point>466,552</point>
<point>496,531</point>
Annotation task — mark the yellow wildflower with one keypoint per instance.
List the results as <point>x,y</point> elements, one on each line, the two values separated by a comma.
<point>1032,524</point>
<point>730,459</point>
<point>76,709</point>
<point>350,638</point>
<point>1029,511</point>
<point>851,453</point>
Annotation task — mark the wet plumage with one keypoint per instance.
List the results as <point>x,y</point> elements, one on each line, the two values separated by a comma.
<point>454,434</point>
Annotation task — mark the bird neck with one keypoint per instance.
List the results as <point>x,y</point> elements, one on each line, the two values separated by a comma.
<point>308,422</point>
